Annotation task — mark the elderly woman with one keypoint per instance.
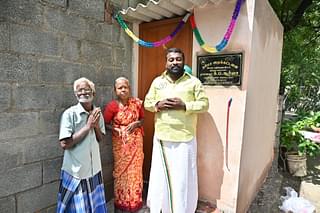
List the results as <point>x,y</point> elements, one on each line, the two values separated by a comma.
<point>124,117</point>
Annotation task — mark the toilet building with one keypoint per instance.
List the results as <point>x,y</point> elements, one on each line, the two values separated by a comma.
<point>238,59</point>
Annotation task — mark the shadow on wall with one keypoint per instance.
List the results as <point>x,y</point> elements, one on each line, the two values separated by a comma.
<point>210,159</point>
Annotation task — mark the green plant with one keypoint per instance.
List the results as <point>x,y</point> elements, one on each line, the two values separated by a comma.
<point>300,73</point>
<point>292,139</point>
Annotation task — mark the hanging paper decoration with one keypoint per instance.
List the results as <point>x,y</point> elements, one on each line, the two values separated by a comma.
<point>226,36</point>
<point>147,43</point>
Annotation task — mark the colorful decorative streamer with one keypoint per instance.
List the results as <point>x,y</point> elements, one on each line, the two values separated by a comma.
<point>226,36</point>
<point>223,43</point>
<point>147,43</point>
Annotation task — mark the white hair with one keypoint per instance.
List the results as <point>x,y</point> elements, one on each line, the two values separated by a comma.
<point>123,79</point>
<point>83,79</point>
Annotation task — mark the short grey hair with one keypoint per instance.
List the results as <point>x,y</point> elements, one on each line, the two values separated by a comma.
<point>121,78</point>
<point>83,79</point>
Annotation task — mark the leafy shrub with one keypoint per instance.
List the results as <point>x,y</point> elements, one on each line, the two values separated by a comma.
<point>292,139</point>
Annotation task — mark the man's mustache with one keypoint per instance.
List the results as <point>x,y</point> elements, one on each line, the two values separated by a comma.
<point>176,67</point>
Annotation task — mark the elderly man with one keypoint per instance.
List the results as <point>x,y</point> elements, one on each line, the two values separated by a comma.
<point>81,129</point>
<point>176,97</point>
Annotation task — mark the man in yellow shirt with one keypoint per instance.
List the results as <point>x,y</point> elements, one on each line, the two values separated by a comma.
<point>176,97</point>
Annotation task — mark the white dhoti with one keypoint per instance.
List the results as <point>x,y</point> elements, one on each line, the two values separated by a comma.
<point>173,183</point>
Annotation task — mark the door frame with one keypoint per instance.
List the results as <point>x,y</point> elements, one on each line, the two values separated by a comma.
<point>137,62</point>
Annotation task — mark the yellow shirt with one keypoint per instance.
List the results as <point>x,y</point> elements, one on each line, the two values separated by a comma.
<point>176,125</point>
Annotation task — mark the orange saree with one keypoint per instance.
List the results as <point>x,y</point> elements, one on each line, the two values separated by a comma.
<point>127,152</point>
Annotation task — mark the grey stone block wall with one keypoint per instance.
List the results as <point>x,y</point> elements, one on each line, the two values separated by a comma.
<point>44,46</point>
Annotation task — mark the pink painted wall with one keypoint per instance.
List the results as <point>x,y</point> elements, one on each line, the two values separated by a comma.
<point>253,114</point>
<point>261,108</point>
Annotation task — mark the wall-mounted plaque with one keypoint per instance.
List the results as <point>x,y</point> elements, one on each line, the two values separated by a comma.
<point>220,69</point>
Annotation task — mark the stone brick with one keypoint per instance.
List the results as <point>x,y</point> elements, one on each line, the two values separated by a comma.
<point>5,95</point>
<point>123,72</point>
<point>133,3</point>
<point>103,96</point>
<point>20,179</point>
<point>40,97</point>
<point>58,72</point>
<point>41,148</point>
<point>25,11</point>
<point>11,154</point>
<point>51,170</point>
<point>71,49</point>
<point>28,40</point>
<point>97,53</point>
<point>101,32</point>
<point>8,205</point>
<point>116,33</point>
<point>106,76</point>
<point>89,8</point>
<point>61,3</point>
<point>106,151</point>
<point>120,37</point>
<point>13,125</point>
<point>90,72</point>
<point>50,121</point>
<point>17,69</point>
<point>51,209</point>
<point>69,97</point>
<point>38,198</point>
<point>122,58</point>
<point>108,190</point>
<point>107,170</point>
<point>63,23</point>
<point>4,36</point>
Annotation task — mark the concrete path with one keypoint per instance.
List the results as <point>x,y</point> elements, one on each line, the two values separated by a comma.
<point>268,198</point>
<point>203,207</point>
